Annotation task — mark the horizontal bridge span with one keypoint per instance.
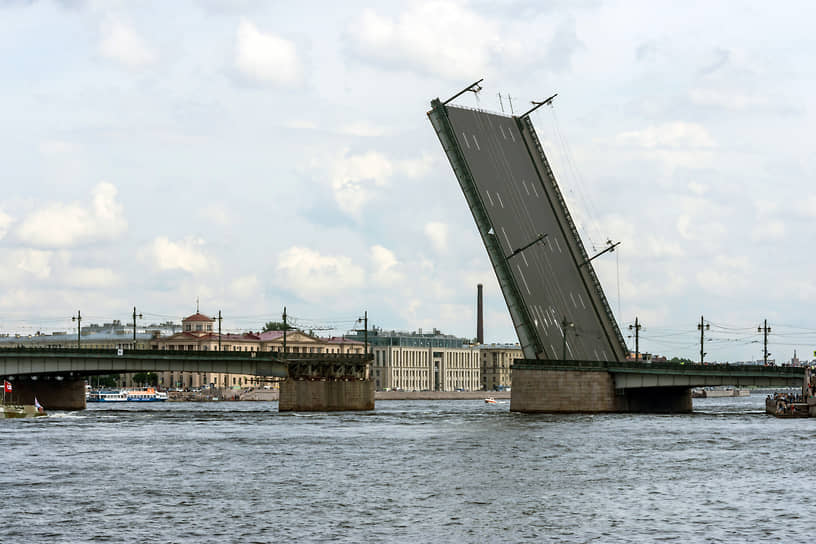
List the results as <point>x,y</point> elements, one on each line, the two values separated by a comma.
<point>636,375</point>
<point>86,362</point>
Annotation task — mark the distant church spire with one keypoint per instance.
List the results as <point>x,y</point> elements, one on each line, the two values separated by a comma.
<point>197,306</point>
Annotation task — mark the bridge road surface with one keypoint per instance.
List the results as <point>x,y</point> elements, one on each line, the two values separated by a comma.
<point>546,273</point>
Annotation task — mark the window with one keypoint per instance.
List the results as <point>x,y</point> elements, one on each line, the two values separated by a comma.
<point>198,326</point>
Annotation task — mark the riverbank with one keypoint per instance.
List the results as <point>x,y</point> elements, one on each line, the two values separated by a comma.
<point>440,395</point>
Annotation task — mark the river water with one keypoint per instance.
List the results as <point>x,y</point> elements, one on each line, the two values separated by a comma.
<point>411,471</point>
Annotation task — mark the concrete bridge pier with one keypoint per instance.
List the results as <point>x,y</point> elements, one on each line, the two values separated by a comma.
<point>326,395</point>
<point>327,386</point>
<point>66,394</point>
<point>576,391</point>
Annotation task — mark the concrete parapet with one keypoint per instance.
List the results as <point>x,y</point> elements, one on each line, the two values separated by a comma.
<point>52,394</point>
<point>326,395</point>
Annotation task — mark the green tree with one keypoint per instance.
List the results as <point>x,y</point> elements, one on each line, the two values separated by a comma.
<point>276,326</point>
<point>680,360</point>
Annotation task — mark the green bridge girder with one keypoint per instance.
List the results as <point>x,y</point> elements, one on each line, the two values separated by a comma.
<point>636,375</point>
<point>22,362</point>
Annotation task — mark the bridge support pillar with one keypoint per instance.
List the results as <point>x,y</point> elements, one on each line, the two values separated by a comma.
<point>52,394</point>
<point>566,391</point>
<point>326,395</point>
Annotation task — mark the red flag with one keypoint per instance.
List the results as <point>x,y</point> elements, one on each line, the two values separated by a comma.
<point>7,386</point>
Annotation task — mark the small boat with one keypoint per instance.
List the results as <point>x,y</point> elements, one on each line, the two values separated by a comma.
<point>490,400</point>
<point>145,395</point>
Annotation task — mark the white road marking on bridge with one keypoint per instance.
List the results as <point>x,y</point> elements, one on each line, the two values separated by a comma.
<point>490,199</point>
<point>500,200</point>
<point>572,298</point>
<point>534,189</point>
<point>475,141</point>
<point>582,300</point>
<point>506,239</point>
<point>525,259</point>
<point>524,183</point>
<point>466,142</point>
<point>510,130</point>
<point>523,279</point>
<point>502,131</point>
<point>559,246</point>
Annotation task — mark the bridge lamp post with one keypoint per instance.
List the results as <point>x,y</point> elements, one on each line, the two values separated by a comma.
<point>135,315</point>
<point>565,326</point>
<point>364,321</point>
<point>702,326</point>
<point>78,319</point>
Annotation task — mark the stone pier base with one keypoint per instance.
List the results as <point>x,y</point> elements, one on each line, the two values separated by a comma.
<point>51,394</point>
<point>574,391</point>
<point>326,395</point>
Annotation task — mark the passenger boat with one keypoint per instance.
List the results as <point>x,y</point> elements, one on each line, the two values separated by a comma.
<point>145,395</point>
<point>101,395</point>
<point>490,400</point>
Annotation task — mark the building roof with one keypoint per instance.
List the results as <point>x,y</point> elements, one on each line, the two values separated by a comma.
<point>341,340</point>
<point>198,316</point>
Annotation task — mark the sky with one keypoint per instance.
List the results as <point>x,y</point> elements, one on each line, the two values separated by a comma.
<point>257,154</point>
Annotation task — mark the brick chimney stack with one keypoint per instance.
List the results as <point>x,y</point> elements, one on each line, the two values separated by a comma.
<point>479,315</point>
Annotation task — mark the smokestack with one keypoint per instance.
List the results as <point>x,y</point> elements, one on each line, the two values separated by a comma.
<point>479,315</point>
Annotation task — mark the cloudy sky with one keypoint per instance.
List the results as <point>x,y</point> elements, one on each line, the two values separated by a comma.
<point>260,154</point>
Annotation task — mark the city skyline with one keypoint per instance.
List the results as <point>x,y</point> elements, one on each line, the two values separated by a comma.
<point>231,152</point>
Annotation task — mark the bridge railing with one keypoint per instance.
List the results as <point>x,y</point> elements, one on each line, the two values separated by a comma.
<point>191,354</point>
<point>668,367</point>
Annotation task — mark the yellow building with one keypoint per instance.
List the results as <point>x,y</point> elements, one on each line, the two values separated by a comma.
<point>497,360</point>
<point>198,335</point>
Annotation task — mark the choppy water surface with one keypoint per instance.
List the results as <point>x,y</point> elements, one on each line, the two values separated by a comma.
<point>412,471</point>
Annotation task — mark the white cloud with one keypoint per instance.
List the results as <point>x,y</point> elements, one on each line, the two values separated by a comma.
<point>246,286</point>
<point>726,100</point>
<point>385,266</point>
<point>312,276</point>
<point>122,44</point>
<point>434,37</point>
<point>768,230</point>
<point>725,276</point>
<point>182,255</point>
<point>362,128</point>
<point>356,177</point>
<point>34,262</point>
<point>5,222</point>
<point>217,213</point>
<point>266,57</point>
<point>437,233</point>
<point>676,135</point>
<point>90,277</point>
<point>63,225</point>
